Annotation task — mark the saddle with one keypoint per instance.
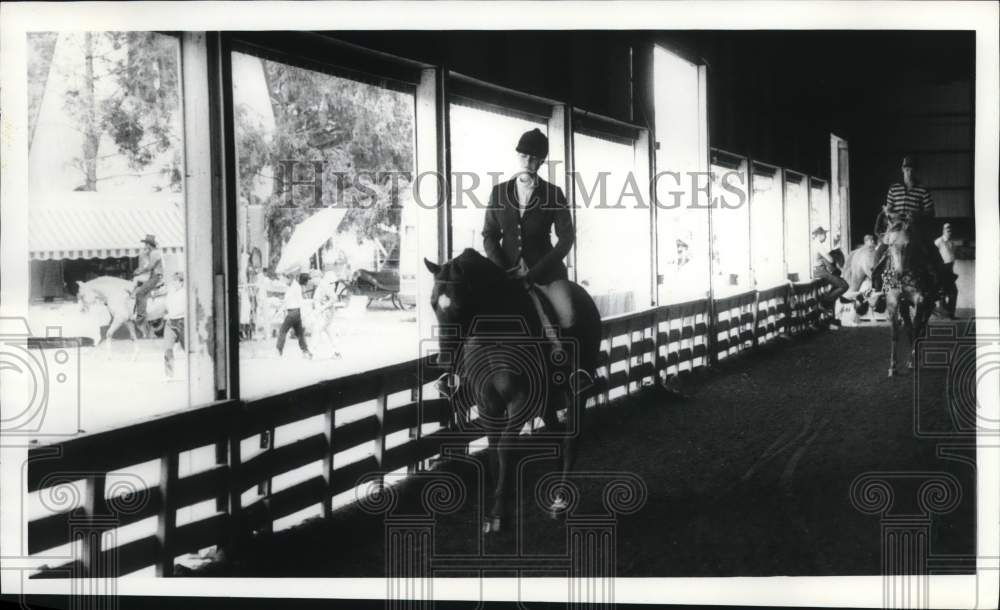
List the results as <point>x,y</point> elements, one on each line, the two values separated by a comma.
<point>159,291</point>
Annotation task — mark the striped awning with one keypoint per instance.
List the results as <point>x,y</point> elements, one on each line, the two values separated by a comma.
<point>86,227</point>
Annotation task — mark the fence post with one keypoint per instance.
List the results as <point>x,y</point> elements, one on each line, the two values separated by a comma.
<point>789,307</point>
<point>416,397</point>
<point>712,339</point>
<point>166,523</point>
<point>90,532</point>
<point>756,318</point>
<point>264,487</point>
<point>628,355</point>
<point>657,314</point>
<point>381,403</point>
<point>329,430</point>
<point>234,501</point>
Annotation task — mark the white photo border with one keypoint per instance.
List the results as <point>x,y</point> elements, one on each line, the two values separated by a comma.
<point>945,591</point>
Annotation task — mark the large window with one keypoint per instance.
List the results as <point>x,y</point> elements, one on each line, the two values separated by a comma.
<point>766,223</point>
<point>613,243</point>
<point>482,155</point>
<point>819,215</point>
<point>681,183</point>
<point>327,224</point>
<point>840,195</point>
<point>107,223</point>
<point>797,226</point>
<point>730,225</point>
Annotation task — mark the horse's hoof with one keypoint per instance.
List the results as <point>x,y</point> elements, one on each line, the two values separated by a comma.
<point>491,526</point>
<point>892,372</point>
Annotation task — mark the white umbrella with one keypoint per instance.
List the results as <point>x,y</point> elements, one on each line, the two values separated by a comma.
<point>308,236</point>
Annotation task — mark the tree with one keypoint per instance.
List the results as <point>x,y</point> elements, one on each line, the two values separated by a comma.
<point>128,89</point>
<point>361,133</point>
<point>41,47</point>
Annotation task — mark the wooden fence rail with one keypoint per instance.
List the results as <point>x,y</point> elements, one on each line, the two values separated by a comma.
<point>87,500</point>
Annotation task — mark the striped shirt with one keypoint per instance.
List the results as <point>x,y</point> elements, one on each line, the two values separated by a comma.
<point>907,201</point>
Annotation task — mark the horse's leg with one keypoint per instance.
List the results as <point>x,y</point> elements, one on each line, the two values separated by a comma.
<point>116,321</point>
<point>891,309</point>
<point>330,335</point>
<point>921,312</point>
<point>491,407</point>
<point>130,326</point>
<point>569,433</point>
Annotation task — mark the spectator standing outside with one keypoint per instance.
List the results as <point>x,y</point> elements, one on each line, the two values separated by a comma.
<point>293,314</point>
<point>949,291</point>
<point>173,329</point>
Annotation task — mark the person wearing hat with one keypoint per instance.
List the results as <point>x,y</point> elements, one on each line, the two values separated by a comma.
<point>173,330</point>
<point>519,219</point>
<point>907,201</point>
<point>152,273</point>
<point>949,290</point>
<point>824,269</point>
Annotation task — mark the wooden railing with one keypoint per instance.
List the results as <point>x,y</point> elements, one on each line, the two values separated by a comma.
<point>87,501</point>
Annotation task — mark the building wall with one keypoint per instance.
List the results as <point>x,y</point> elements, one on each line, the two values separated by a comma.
<point>775,96</point>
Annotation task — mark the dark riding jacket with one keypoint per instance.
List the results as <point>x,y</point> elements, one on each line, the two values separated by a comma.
<point>510,234</point>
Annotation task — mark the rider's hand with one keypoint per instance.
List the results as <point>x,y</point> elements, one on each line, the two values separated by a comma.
<point>518,271</point>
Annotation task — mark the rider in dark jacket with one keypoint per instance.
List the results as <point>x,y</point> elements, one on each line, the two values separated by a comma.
<point>521,214</point>
<point>519,220</point>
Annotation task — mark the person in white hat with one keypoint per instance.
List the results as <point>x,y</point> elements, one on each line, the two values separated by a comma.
<point>151,271</point>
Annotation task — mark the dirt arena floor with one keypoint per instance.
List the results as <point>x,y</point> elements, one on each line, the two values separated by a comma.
<point>748,473</point>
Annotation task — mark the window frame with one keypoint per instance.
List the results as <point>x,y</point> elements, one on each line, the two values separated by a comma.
<point>327,55</point>
<point>640,140</point>
<point>775,175</point>
<point>731,161</point>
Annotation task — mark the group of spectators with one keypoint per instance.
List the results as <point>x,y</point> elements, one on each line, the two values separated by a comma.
<point>907,200</point>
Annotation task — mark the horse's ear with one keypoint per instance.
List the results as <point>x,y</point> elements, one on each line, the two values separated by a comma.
<point>434,268</point>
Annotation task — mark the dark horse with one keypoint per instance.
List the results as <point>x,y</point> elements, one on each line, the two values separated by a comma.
<point>503,363</point>
<point>908,282</point>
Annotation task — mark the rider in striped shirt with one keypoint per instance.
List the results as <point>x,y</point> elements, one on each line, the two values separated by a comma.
<point>905,200</point>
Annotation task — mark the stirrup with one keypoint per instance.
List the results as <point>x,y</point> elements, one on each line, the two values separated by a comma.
<point>580,380</point>
<point>447,384</point>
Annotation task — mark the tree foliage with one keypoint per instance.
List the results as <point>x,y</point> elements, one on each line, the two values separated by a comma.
<point>41,47</point>
<point>128,90</point>
<point>361,133</point>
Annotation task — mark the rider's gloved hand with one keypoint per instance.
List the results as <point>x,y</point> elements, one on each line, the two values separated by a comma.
<point>520,270</point>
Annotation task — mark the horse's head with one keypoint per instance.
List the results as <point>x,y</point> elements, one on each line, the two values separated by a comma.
<point>463,286</point>
<point>85,296</point>
<point>901,238</point>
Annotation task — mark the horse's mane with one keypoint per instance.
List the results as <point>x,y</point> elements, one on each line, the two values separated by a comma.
<point>479,271</point>
<point>500,295</point>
